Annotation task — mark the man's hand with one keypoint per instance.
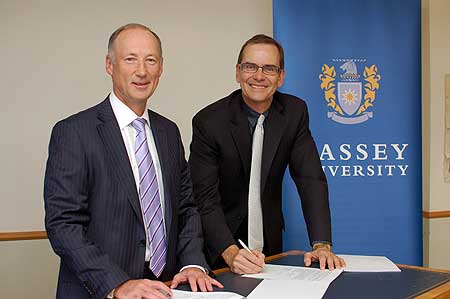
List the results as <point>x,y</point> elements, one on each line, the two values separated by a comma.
<point>325,257</point>
<point>241,261</point>
<point>142,288</point>
<point>195,277</point>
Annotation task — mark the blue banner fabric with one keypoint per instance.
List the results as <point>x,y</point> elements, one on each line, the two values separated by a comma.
<point>357,64</point>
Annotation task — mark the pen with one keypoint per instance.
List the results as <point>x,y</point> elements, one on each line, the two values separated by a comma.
<point>165,294</point>
<point>245,246</point>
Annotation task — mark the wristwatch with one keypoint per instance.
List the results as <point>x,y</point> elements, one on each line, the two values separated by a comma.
<point>321,246</point>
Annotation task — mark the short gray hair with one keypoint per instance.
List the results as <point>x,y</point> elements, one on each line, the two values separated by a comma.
<point>119,30</point>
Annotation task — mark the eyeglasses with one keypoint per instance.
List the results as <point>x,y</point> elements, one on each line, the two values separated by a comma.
<point>267,69</point>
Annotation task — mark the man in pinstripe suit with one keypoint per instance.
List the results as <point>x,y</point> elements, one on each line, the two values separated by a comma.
<point>93,210</point>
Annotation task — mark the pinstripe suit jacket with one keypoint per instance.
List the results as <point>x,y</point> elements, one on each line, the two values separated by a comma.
<point>92,212</point>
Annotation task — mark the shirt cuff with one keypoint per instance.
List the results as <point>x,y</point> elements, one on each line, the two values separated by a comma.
<point>111,294</point>
<point>194,266</point>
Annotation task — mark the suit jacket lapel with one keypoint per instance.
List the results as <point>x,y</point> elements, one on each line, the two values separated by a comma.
<point>160,137</point>
<point>240,131</point>
<point>273,131</point>
<point>109,132</point>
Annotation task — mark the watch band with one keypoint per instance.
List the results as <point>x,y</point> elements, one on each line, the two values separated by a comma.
<point>324,246</point>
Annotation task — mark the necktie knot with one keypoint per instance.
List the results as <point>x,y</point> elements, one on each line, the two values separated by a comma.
<point>260,120</point>
<point>139,124</point>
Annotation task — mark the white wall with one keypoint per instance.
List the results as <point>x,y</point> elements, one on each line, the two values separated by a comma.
<point>52,56</point>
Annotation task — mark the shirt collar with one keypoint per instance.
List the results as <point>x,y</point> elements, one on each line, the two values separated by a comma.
<point>252,113</point>
<point>124,115</point>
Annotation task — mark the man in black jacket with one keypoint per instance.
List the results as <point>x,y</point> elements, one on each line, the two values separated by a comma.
<point>240,148</point>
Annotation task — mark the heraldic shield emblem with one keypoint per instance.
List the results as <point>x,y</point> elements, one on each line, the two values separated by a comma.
<point>352,105</point>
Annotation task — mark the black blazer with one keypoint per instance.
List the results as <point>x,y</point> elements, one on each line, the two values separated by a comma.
<point>92,212</point>
<point>220,162</point>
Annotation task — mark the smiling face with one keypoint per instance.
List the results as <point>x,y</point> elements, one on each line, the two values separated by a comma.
<point>258,88</point>
<point>135,67</point>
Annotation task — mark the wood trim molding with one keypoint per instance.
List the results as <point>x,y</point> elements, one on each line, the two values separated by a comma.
<point>436,214</point>
<point>440,292</point>
<point>423,268</point>
<point>17,236</point>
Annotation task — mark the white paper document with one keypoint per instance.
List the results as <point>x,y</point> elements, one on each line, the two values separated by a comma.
<point>298,289</point>
<point>292,282</point>
<point>362,263</point>
<point>277,272</point>
<point>177,294</point>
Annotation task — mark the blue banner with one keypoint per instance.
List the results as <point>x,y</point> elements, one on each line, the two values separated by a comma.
<point>357,64</point>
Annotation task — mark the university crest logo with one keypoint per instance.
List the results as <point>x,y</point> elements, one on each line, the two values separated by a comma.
<point>351,104</point>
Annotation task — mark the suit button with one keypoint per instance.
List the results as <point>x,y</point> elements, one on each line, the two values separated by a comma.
<point>142,243</point>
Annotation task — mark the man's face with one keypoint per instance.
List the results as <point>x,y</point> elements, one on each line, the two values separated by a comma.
<point>258,88</point>
<point>136,67</point>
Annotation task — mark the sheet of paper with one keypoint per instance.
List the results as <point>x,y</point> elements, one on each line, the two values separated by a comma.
<point>270,289</point>
<point>277,272</point>
<point>362,263</point>
<point>177,294</point>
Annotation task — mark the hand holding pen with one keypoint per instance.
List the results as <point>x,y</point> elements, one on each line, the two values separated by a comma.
<point>243,261</point>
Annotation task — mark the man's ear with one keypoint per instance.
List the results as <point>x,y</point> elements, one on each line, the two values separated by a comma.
<point>161,67</point>
<point>281,78</point>
<point>238,80</point>
<point>109,65</point>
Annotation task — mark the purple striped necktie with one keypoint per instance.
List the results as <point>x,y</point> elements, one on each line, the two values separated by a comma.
<point>150,202</point>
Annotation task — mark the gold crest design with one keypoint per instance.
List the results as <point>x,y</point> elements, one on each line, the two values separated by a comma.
<point>349,96</point>
<point>327,77</point>
<point>372,77</point>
